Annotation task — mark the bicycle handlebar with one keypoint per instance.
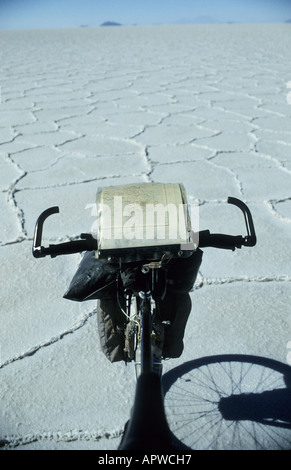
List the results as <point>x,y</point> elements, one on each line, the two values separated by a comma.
<point>220,240</point>
<point>230,242</point>
<point>67,248</point>
<point>89,243</point>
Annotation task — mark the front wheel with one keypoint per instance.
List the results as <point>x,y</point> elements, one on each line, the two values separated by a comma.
<point>148,338</point>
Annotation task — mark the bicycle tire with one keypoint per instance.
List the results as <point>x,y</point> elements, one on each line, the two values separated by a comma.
<point>145,340</point>
<point>147,428</point>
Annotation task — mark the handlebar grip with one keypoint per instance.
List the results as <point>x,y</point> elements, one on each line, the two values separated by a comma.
<point>67,248</point>
<point>220,240</point>
<point>87,243</point>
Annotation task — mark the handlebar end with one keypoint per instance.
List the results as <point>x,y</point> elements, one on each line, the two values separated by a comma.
<point>250,240</point>
<point>39,251</point>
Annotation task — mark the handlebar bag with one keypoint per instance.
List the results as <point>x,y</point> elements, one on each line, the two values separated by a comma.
<point>133,218</point>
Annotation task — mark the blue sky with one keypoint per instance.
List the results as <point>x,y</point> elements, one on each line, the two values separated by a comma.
<point>23,14</point>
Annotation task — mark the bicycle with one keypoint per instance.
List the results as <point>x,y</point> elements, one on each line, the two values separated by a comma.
<point>147,428</point>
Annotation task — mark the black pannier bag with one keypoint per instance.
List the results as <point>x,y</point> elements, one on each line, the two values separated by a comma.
<point>97,279</point>
<point>94,279</point>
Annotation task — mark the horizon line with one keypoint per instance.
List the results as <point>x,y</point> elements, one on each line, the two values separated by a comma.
<point>116,25</point>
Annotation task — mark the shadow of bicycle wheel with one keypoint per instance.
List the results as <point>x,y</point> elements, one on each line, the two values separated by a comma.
<point>230,401</point>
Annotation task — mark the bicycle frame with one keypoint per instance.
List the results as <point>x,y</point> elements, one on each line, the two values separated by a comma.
<point>146,343</point>
<point>148,428</point>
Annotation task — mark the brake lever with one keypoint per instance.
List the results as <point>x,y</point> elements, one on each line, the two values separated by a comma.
<point>250,239</point>
<point>39,251</point>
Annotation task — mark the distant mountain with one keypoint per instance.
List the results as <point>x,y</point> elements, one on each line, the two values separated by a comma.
<point>288,21</point>
<point>110,23</point>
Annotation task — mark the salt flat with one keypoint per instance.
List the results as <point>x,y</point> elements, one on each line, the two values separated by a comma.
<point>82,108</point>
